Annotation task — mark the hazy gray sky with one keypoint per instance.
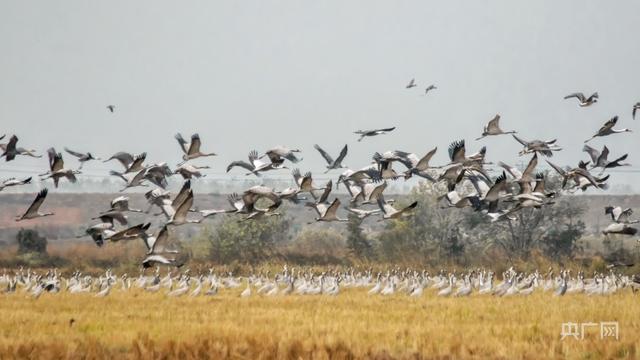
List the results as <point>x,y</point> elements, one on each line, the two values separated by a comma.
<point>253,74</point>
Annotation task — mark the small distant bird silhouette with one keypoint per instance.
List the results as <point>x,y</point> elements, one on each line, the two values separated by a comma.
<point>111,108</point>
<point>411,84</point>
<point>429,88</point>
<point>636,106</point>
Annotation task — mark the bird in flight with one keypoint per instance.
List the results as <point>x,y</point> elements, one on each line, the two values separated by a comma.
<point>584,101</point>
<point>375,132</point>
<point>429,88</point>
<point>111,108</point>
<point>411,84</point>
<point>607,129</point>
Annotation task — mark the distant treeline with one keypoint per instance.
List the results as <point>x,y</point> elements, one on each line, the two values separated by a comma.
<point>433,237</point>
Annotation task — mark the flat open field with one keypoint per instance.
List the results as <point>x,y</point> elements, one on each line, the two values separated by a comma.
<point>138,324</point>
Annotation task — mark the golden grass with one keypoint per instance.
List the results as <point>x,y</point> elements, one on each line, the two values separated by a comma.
<point>143,325</point>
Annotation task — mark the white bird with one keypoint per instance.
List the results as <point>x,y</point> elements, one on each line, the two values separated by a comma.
<point>562,289</point>
<point>191,150</point>
<point>105,291</point>
<point>133,181</point>
<point>157,244</point>
<point>213,290</point>
<point>255,165</point>
<point>362,214</point>
<point>180,215</point>
<point>493,128</point>
<point>57,170</point>
<point>327,214</point>
<point>188,171</point>
<point>14,182</point>
<point>198,288</point>
<point>390,289</point>
<point>305,183</point>
<point>528,175</point>
<point>101,233</point>
<point>619,215</point>
<point>331,163</point>
<point>279,153</point>
<point>599,159</point>
<point>619,228</point>
<point>157,174</point>
<point>247,291</point>
<point>82,157</point>
<point>389,212</point>
<point>34,210</point>
<point>179,291</point>
<point>417,290</point>
<point>465,289</point>
<point>454,199</point>
<point>421,166</point>
<point>607,129</point>
<point>130,163</point>
<point>157,259</point>
<point>576,174</point>
<point>583,100</point>
<point>545,148</point>
<point>374,132</point>
<point>121,204</point>
<point>10,150</point>
<point>448,290</point>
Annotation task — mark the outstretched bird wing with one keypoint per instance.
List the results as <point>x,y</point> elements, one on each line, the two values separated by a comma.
<point>37,202</point>
<point>593,153</point>
<point>609,124</point>
<point>457,151</point>
<point>241,164</point>
<point>343,154</point>
<point>494,124</point>
<point>325,194</point>
<point>578,95</point>
<point>324,154</point>
<point>74,153</point>
<point>182,195</point>
<point>524,143</point>
<point>182,142</point>
<point>123,157</point>
<point>423,164</point>
<point>333,208</point>
<point>194,147</point>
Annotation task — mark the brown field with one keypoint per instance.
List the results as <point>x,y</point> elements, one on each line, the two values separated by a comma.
<point>142,325</point>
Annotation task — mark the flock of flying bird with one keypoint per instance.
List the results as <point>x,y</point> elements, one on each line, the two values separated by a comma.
<point>466,177</point>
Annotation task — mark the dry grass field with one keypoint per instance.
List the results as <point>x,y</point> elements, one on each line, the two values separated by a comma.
<point>141,325</point>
